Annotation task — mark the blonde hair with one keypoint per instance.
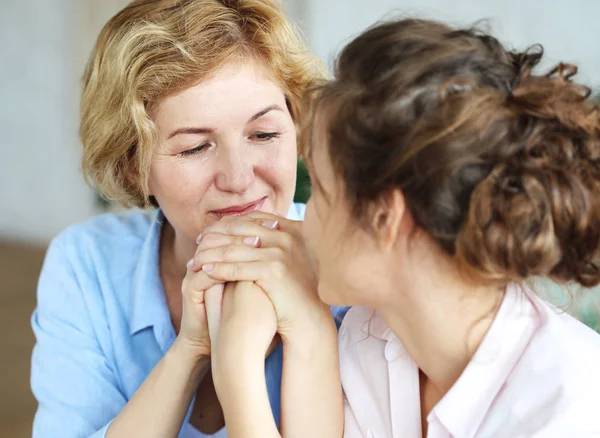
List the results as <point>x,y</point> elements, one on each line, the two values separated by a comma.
<point>154,48</point>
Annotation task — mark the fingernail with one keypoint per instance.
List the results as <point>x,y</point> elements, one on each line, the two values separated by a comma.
<point>270,224</point>
<point>190,264</point>
<point>199,239</point>
<point>207,268</point>
<point>252,241</point>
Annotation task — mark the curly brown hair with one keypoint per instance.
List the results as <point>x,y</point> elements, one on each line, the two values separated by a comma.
<point>499,165</point>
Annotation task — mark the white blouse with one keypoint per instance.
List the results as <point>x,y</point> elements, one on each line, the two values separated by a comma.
<point>535,374</point>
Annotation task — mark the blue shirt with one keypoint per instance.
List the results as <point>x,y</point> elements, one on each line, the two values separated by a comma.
<point>102,324</point>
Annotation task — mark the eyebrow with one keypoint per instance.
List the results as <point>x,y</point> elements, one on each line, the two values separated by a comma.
<point>191,130</point>
<point>259,114</point>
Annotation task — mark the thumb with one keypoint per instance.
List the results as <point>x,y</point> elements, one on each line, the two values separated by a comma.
<point>213,300</point>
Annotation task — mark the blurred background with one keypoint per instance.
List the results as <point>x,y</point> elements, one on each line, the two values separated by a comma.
<point>44,46</point>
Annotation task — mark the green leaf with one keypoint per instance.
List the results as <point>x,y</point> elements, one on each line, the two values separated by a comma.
<point>302,183</point>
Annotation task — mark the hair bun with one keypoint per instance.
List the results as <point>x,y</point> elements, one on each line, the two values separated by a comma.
<point>531,220</point>
<point>538,212</point>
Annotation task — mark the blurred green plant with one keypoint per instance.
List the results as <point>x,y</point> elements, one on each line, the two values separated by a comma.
<point>302,183</point>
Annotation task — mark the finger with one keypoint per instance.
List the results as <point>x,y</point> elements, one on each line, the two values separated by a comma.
<point>243,226</point>
<point>226,241</point>
<point>265,219</point>
<point>233,253</point>
<point>213,240</point>
<point>195,283</point>
<point>284,224</point>
<point>267,235</point>
<point>245,271</point>
<point>213,298</point>
<point>264,216</point>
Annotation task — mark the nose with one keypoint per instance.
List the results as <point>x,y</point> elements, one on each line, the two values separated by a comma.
<point>235,173</point>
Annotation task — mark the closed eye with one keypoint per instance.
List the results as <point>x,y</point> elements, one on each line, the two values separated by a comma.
<point>264,136</point>
<point>195,150</point>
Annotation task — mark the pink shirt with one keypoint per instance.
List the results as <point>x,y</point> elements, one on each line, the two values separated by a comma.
<point>535,374</point>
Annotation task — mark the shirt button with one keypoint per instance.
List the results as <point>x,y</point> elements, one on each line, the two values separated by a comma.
<point>392,351</point>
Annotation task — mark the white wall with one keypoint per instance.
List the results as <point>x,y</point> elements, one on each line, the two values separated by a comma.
<point>44,47</point>
<point>569,31</point>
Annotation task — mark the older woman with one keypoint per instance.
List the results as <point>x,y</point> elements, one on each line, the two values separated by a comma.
<point>190,106</point>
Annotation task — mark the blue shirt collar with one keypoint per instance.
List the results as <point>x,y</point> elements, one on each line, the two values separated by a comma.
<point>149,304</point>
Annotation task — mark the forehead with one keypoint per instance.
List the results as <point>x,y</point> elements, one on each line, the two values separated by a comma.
<point>236,90</point>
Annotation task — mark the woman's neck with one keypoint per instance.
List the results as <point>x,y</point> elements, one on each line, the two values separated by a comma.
<point>441,321</point>
<point>175,252</point>
<point>174,255</point>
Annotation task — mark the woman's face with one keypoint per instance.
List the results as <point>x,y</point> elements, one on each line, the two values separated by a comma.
<point>226,146</point>
<point>350,267</point>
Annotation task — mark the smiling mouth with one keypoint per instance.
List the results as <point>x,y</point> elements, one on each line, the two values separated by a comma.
<point>239,210</point>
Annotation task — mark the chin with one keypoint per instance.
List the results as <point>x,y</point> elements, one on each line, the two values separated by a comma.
<point>329,296</point>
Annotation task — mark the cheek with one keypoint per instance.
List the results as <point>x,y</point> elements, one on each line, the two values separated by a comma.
<point>349,273</point>
<point>324,241</point>
<point>178,181</point>
<point>276,163</point>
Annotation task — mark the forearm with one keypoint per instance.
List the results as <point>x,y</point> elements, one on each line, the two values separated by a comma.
<point>311,393</point>
<point>159,406</point>
<point>244,398</point>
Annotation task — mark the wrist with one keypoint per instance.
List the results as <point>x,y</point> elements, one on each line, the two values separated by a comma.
<point>310,334</point>
<point>239,361</point>
<point>232,372</point>
<point>190,355</point>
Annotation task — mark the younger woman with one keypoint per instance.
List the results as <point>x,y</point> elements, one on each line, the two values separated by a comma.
<point>446,173</point>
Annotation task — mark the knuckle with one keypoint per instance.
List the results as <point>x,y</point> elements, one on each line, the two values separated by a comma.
<point>185,285</point>
<point>235,271</point>
<point>287,241</point>
<point>207,242</point>
<point>197,260</point>
<point>208,239</point>
<point>278,253</point>
<point>226,250</point>
<point>278,269</point>
<point>212,241</point>
<point>188,287</point>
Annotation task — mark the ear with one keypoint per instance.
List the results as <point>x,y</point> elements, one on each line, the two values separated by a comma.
<point>390,215</point>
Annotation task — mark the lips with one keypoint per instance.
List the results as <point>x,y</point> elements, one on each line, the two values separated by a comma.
<point>239,210</point>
